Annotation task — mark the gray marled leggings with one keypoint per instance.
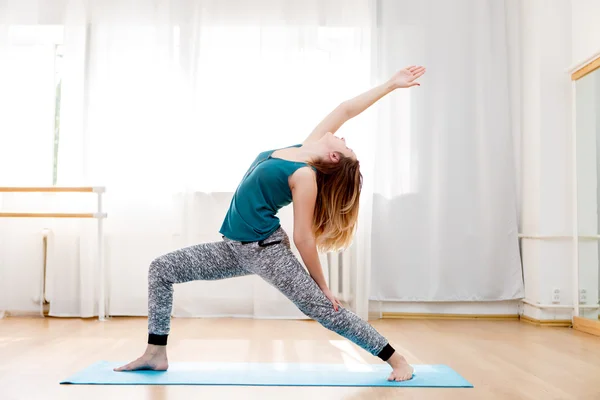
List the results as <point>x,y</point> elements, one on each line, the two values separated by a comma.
<point>272,260</point>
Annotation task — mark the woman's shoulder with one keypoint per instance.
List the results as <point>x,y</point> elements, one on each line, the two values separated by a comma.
<point>304,176</point>
<point>303,184</point>
<point>267,153</point>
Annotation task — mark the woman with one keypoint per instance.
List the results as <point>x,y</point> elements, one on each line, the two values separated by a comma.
<point>323,180</point>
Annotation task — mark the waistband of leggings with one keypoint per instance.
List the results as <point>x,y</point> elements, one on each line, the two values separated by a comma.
<point>272,239</point>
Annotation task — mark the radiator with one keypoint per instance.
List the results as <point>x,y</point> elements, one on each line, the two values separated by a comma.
<point>339,274</point>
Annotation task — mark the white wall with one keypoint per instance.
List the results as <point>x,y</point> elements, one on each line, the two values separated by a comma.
<point>585,19</point>
<point>546,162</point>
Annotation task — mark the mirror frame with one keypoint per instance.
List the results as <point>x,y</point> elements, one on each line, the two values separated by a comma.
<point>577,72</point>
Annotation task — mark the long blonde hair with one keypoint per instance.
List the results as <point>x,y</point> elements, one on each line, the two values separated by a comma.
<point>336,210</point>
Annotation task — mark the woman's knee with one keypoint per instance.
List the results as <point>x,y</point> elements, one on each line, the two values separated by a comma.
<point>157,267</point>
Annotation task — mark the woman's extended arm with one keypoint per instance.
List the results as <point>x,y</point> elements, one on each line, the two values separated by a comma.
<point>304,194</point>
<point>351,108</point>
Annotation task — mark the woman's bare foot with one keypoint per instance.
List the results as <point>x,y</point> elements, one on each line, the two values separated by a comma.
<point>402,369</point>
<point>155,358</point>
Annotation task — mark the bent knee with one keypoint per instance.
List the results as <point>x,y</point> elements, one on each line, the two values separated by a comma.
<point>157,267</point>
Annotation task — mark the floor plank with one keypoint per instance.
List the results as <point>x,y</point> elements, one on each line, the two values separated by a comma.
<point>502,359</point>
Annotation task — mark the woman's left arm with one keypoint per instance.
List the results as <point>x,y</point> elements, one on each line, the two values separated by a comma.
<point>304,194</point>
<point>349,109</point>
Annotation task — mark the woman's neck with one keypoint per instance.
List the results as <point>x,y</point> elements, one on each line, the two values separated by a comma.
<point>307,153</point>
<point>311,152</point>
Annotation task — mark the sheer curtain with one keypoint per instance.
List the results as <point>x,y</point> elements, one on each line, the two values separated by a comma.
<point>444,223</point>
<point>166,103</point>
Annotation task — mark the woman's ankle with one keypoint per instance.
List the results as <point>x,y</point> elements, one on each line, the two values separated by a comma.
<point>396,360</point>
<point>153,349</point>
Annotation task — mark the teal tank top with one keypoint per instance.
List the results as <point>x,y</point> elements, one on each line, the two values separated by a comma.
<point>264,189</point>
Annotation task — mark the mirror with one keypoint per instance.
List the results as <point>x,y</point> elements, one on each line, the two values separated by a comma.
<point>587,130</point>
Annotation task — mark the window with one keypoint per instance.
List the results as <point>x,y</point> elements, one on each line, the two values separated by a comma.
<point>58,57</point>
<point>170,113</point>
<point>30,127</point>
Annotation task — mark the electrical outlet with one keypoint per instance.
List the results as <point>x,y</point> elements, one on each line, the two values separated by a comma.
<point>583,296</point>
<point>556,296</point>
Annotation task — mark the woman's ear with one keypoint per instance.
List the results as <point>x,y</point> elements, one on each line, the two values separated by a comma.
<point>334,157</point>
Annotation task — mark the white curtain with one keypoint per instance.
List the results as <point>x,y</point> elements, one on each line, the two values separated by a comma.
<point>444,224</point>
<point>166,103</point>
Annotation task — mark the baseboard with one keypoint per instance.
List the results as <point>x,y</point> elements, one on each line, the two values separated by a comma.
<point>586,325</point>
<point>485,317</point>
<point>557,323</point>
<point>501,307</point>
<point>25,314</point>
<point>481,317</point>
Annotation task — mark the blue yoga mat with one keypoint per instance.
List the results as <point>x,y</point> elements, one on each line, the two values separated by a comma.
<point>268,374</point>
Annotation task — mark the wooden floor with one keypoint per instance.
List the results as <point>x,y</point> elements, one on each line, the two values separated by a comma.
<point>503,360</point>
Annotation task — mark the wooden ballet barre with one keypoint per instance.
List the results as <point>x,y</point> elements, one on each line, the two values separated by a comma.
<point>99,216</point>
<point>51,215</point>
<point>52,189</point>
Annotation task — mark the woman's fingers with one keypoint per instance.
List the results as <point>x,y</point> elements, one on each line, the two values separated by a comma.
<point>417,72</point>
<point>337,304</point>
<point>334,303</point>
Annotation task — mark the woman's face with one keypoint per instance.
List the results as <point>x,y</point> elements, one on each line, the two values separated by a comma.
<point>336,144</point>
